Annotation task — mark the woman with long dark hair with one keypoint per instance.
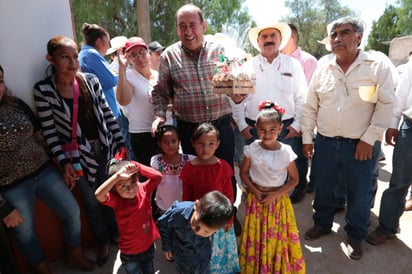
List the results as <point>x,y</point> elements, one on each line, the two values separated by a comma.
<point>81,144</point>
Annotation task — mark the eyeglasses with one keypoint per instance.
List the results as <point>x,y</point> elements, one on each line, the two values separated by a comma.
<point>141,53</point>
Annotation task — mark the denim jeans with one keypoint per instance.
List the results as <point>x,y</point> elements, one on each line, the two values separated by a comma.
<point>123,123</point>
<point>239,144</point>
<point>191,267</point>
<point>393,198</point>
<point>49,187</point>
<point>333,156</point>
<point>340,192</point>
<point>141,263</point>
<point>296,144</point>
<point>101,218</point>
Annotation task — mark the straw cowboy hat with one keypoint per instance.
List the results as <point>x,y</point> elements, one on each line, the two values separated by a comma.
<point>116,43</point>
<point>282,27</point>
<point>326,41</point>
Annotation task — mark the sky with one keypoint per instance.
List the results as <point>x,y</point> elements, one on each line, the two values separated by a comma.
<point>265,12</point>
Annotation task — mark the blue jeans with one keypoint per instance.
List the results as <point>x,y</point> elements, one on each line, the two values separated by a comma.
<point>101,218</point>
<point>333,156</point>
<point>191,267</point>
<point>340,192</point>
<point>296,144</point>
<point>139,263</point>
<point>123,123</point>
<point>393,198</point>
<point>239,144</point>
<point>48,186</point>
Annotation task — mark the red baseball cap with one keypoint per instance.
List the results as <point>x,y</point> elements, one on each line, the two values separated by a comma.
<point>134,42</point>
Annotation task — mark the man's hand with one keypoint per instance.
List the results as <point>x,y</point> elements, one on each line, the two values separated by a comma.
<point>307,150</point>
<point>363,151</point>
<point>246,134</point>
<point>157,122</point>
<point>391,136</point>
<point>237,98</point>
<point>291,133</point>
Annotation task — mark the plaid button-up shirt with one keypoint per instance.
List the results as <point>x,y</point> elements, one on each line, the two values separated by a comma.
<point>188,83</point>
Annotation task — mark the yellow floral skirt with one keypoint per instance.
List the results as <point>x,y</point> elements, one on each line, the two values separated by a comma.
<point>270,239</point>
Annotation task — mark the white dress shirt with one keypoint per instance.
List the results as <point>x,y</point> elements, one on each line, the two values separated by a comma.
<point>403,98</point>
<point>281,81</point>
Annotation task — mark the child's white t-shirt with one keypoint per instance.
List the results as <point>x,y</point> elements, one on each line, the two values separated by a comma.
<point>269,167</point>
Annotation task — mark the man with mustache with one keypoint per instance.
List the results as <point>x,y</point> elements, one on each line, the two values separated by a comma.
<point>349,102</point>
<point>279,78</point>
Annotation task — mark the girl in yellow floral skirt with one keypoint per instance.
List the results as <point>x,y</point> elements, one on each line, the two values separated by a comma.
<point>270,240</point>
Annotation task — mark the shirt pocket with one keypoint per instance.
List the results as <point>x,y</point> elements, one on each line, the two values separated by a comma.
<point>364,92</point>
<point>286,82</point>
<point>326,93</point>
<point>368,93</point>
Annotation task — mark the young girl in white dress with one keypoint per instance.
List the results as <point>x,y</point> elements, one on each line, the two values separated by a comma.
<point>270,240</point>
<point>170,162</point>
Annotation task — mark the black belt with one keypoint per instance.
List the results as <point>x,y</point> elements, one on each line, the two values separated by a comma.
<point>336,138</point>
<point>213,122</point>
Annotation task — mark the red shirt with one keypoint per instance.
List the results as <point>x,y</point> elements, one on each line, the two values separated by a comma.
<point>137,230</point>
<point>201,179</point>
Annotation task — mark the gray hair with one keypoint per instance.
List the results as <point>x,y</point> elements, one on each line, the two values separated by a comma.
<point>357,24</point>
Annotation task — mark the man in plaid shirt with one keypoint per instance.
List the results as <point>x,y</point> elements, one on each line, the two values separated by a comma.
<point>185,79</point>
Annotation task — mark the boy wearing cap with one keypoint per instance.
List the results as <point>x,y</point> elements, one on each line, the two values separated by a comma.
<point>279,78</point>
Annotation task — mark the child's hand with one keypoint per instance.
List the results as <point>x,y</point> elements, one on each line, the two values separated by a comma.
<point>258,194</point>
<point>168,255</point>
<point>270,197</point>
<point>127,171</point>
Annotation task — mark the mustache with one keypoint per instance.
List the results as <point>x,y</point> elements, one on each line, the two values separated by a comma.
<point>337,45</point>
<point>268,44</point>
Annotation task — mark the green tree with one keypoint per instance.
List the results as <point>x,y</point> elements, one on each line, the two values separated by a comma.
<point>311,18</point>
<point>404,24</point>
<point>384,30</point>
<point>217,13</point>
<point>117,17</point>
<point>120,17</point>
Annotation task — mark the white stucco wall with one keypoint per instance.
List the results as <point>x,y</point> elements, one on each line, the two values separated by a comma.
<point>25,28</point>
<point>399,49</point>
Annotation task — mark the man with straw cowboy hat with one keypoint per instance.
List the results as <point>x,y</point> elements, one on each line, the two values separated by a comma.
<point>280,79</point>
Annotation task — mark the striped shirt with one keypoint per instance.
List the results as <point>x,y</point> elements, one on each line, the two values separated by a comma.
<point>188,82</point>
<point>55,118</point>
